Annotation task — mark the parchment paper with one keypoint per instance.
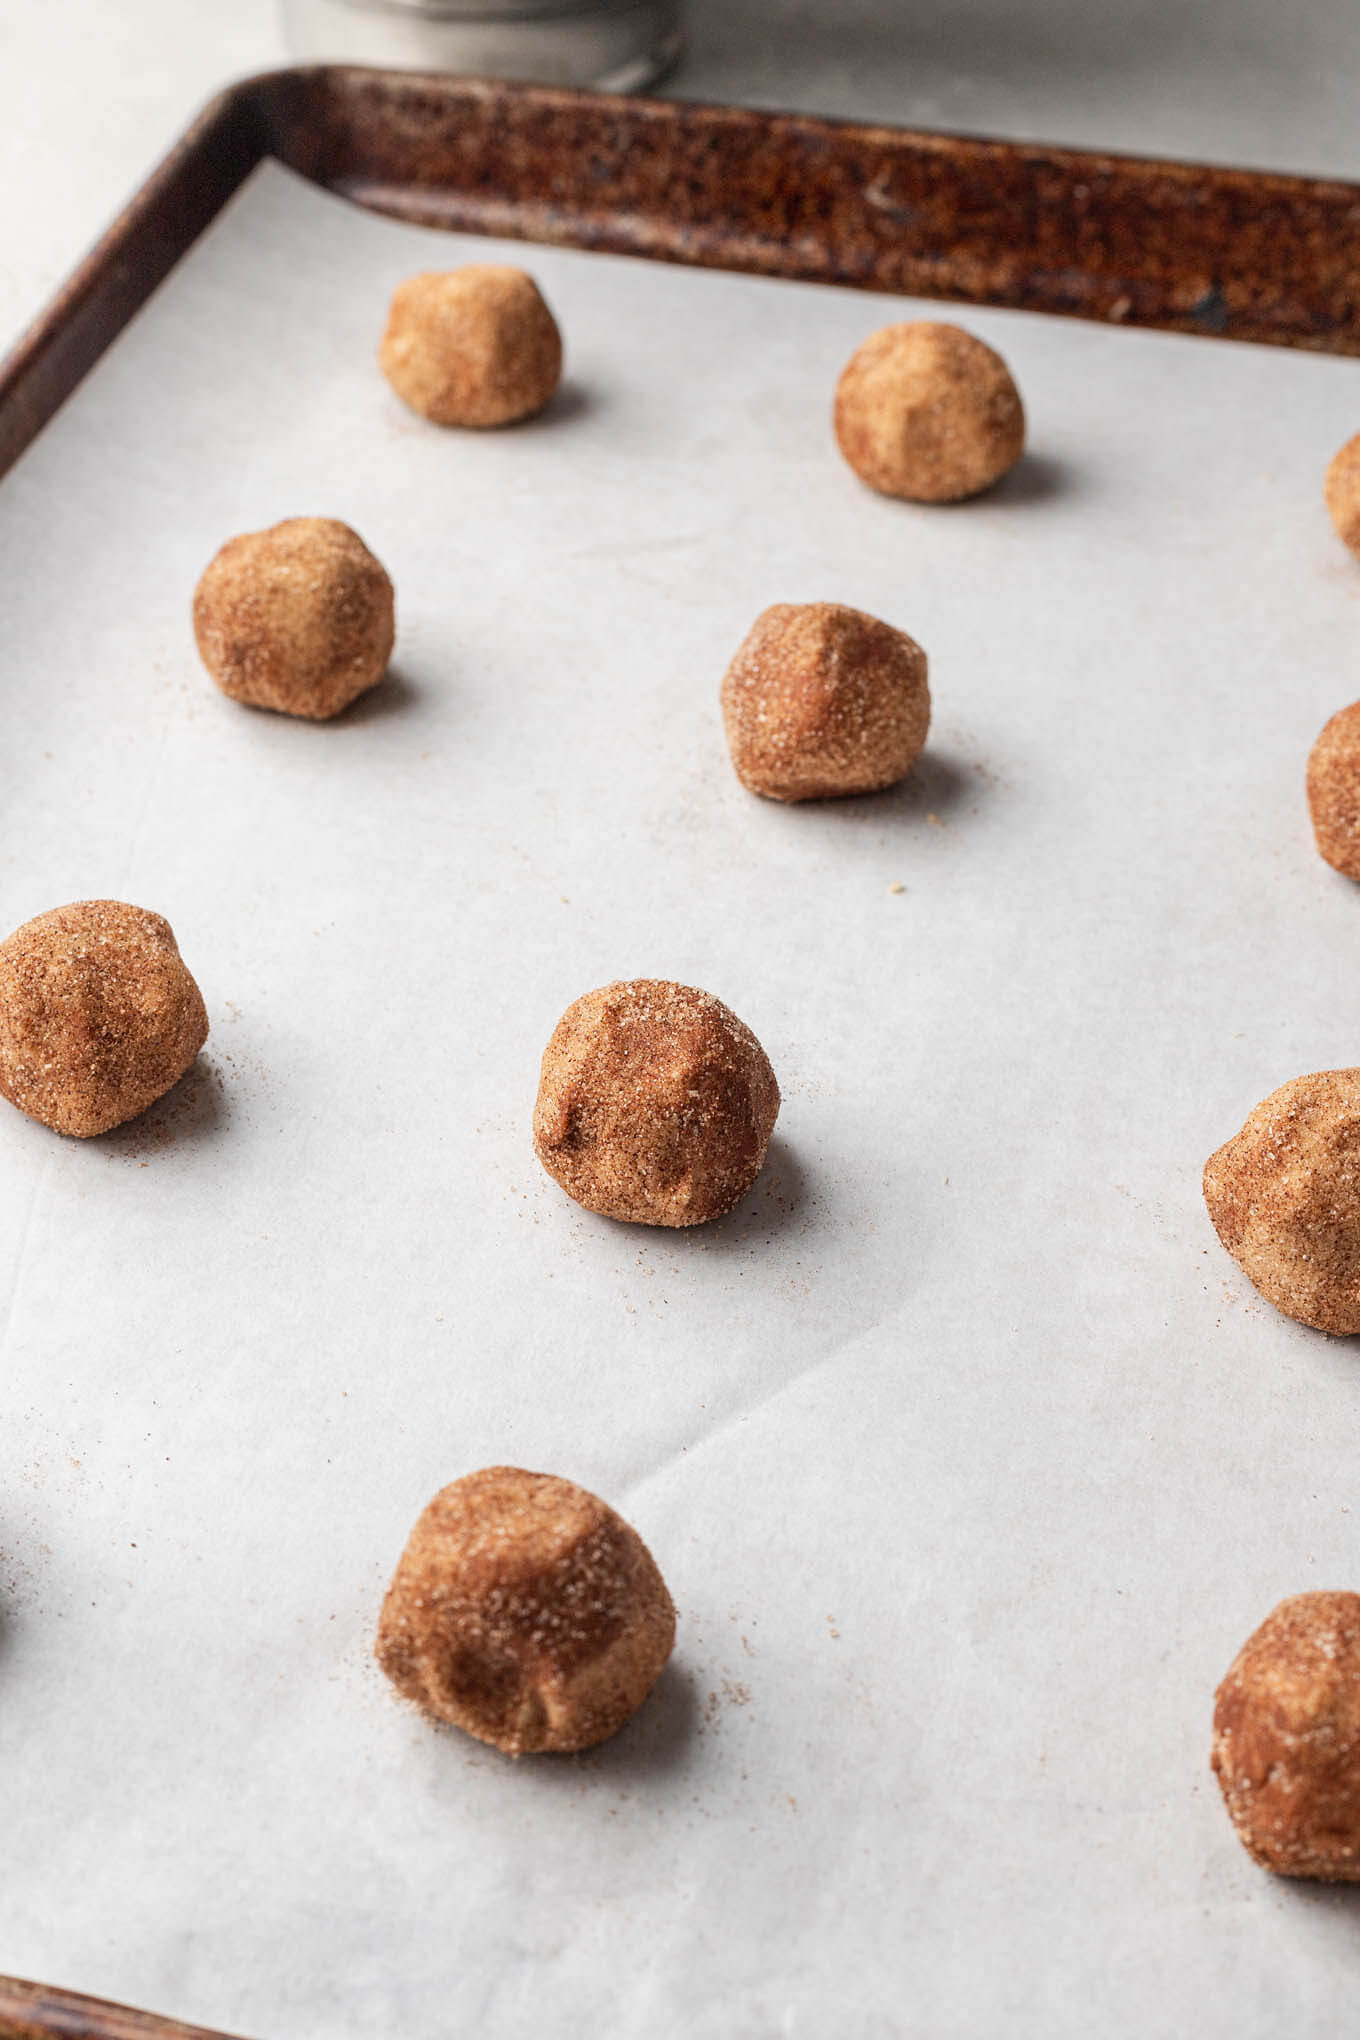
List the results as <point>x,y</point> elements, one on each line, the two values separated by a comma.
<point>969,1457</point>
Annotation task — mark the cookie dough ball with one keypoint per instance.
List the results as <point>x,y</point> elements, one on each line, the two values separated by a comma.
<point>824,700</point>
<point>473,346</point>
<point>1284,1196</point>
<point>527,1612</point>
<point>299,618</point>
<point>1334,791</point>
<point>1342,492</point>
<point>656,1104</point>
<point>1287,1739</point>
<point>98,1015</point>
<point>927,412</point>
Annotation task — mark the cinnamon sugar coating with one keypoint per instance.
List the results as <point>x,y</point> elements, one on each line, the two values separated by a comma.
<point>1341,492</point>
<point>656,1104</point>
<point>472,346</point>
<point>823,700</point>
<point>525,1611</point>
<point>1286,1747</point>
<point>927,412</point>
<point>300,618</point>
<point>1334,791</point>
<point>1284,1196</point>
<point>98,1015</point>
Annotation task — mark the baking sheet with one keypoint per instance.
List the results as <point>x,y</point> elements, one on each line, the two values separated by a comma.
<point>968,1455</point>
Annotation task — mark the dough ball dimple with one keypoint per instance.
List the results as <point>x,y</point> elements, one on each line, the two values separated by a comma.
<point>300,618</point>
<point>1284,1196</point>
<point>98,1015</point>
<point>656,1104</point>
<point>927,412</point>
<point>1341,489</point>
<point>472,346</point>
<point>824,700</point>
<point>1287,1739</point>
<point>527,1612</point>
<point>1334,791</point>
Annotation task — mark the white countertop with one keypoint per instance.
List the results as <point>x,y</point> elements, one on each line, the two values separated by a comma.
<point>92,93</point>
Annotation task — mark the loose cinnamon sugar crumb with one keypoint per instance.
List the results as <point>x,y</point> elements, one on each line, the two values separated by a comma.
<point>98,1015</point>
<point>928,412</point>
<point>822,700</point>
<point>300,618</point>
<point>473,346</point>
<point>655,1104</point>
<point>1286,1748</point>
<point>526,1612</point>
<point>1284,1196</point>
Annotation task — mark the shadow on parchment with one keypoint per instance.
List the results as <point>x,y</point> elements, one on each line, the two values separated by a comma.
<point>1339,1900</point>
<point>655,1743</point>
<point>569,402</point>
<point>194,1110</point>
<point>776,1203</point>
<point>937,787</point>
<point>572,400</point>
<point>1035,478</point>
<point>394,694</point>
<point>15,1585</point>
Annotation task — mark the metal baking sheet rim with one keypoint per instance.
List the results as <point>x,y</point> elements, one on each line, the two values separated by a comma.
<point>1221,252</point>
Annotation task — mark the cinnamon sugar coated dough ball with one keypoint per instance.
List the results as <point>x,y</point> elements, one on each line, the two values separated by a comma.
<point>1334,791</point>
<point>525,1611</point>
<point>655,1105</point>
<point>300,618</point>
<point>1341,490</point>
<point>98,1015</point>
<point>1284,1196</point>
<point>473,346</point>
<point>1287,1739</point>
<point>824,700</point>
<point>927,412</point>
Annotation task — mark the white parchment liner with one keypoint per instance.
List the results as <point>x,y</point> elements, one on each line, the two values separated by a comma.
<point>968,1455</point>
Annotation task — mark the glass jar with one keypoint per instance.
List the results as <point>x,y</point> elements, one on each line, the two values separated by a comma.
<point>614,45</point>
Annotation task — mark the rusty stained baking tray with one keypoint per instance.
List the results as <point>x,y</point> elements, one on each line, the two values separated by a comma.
<point>29,2011</point>
<point>1238,254</point>
<point>1235,254</point>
